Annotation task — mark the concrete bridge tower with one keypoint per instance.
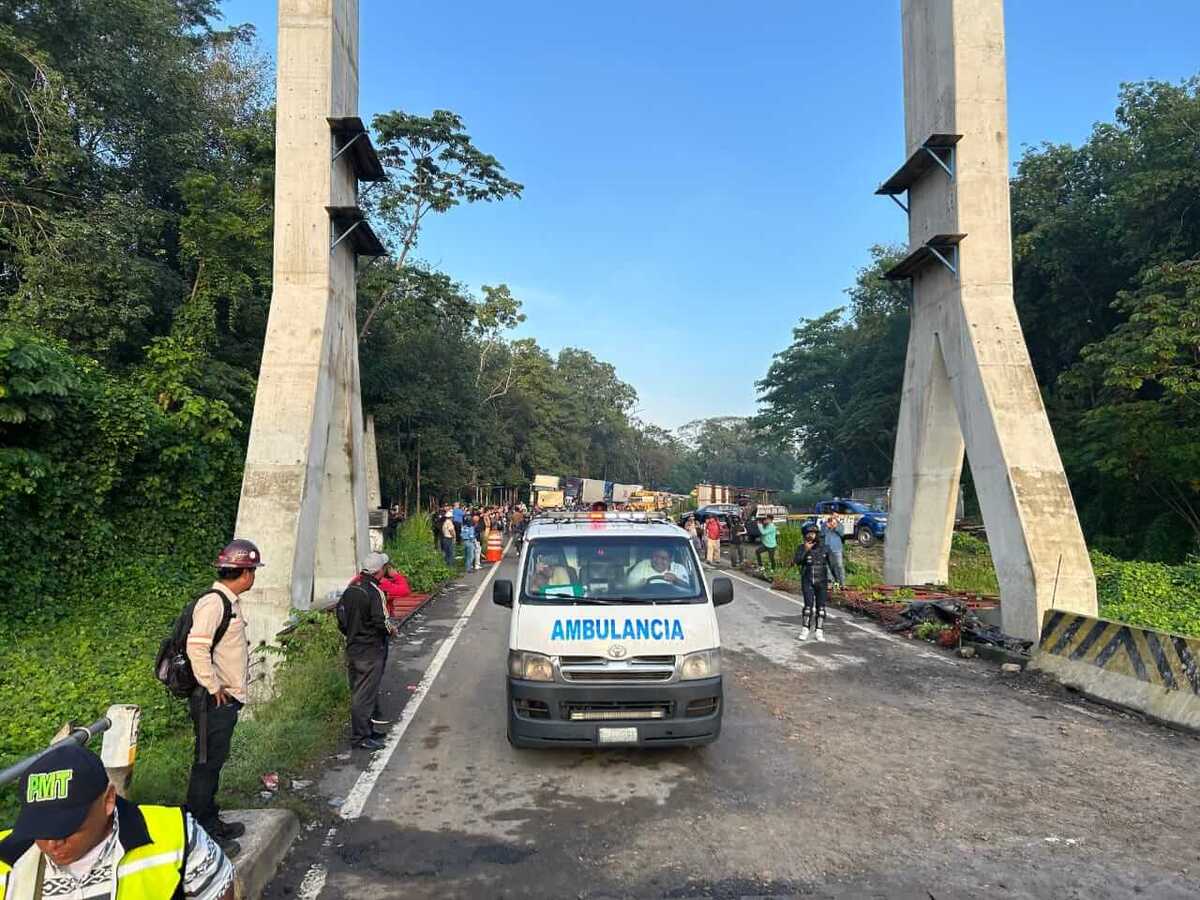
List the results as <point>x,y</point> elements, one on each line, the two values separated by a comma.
<point>304,491</point>
<point>968,381</point>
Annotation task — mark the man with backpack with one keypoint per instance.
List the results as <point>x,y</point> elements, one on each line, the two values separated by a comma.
<point>219,654</point>
<point>362,619</point>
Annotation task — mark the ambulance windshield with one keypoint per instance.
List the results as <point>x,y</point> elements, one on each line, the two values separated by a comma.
<point>606,570</point>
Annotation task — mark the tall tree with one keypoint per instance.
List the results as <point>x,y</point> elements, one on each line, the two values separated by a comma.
<point>834,393</point>
<point>433,166</point>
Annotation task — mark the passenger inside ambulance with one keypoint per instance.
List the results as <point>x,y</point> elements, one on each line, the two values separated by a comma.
<point>550,569</point>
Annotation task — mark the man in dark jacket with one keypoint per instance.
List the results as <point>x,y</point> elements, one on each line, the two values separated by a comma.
<point>367,634</point>
<point>737,540</point>
<point>813,559</point>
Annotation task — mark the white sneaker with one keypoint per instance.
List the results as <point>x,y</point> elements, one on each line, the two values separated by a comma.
<point>804,634</point>
<point>820,635</point>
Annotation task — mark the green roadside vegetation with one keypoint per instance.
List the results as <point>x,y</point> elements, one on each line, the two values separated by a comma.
<point>108,648</point>
<point>413,552</point>
<point>1151,595</point>
<point>1106,282</point>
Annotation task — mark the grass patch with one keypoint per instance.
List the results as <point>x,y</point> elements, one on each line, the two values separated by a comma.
<point>1151,595</point>
<point>971,568</point>
<point>862,572</point>
<point>412,551</point>
<point>790,537</point>
<point>74,654</point>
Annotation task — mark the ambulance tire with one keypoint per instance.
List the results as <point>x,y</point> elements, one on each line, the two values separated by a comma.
<point>865,536</point>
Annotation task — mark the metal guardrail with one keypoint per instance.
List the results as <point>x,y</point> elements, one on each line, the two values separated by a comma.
<point>80,735</point>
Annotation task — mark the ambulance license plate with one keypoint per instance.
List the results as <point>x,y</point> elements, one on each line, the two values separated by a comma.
<point>617,735</point>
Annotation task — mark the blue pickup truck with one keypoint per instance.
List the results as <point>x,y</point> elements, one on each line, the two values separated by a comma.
<point>859,521</point>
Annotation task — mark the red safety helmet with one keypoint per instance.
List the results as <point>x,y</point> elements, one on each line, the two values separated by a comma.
<point>239,554</point>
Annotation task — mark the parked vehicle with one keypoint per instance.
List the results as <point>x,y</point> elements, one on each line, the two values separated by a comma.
<point>859,522</point>
<point>752,513</point>
<point>647,501</point>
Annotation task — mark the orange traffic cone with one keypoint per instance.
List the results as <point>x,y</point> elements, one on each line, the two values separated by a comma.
<point>495,549</point>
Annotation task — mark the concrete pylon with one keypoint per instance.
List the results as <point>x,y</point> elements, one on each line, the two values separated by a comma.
<point>304,492</point>
<point>374,492</point>
<point>968,381</point>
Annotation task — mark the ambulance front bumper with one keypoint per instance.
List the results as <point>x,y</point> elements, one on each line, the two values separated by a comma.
<point>552,714</point>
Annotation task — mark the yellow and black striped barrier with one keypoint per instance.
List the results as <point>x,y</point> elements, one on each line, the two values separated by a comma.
<point>1154,672</point>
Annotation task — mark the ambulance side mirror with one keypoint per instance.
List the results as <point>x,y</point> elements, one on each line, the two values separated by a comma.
<point>722,591</point>
<point>502,593</point>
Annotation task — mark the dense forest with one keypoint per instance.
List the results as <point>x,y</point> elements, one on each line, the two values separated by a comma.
<point>136,192</point>
<point>1106,240</point>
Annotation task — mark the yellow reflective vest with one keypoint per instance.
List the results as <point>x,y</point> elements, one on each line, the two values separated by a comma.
<point>152,839</point>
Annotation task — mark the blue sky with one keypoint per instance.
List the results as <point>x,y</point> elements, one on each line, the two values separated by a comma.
<point>699,176</point>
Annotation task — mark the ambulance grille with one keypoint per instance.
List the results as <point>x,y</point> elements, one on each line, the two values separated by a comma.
<point>615,711</point>
<point>593,669</point>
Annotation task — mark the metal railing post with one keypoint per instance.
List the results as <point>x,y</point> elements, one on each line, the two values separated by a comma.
<point>79,735</point>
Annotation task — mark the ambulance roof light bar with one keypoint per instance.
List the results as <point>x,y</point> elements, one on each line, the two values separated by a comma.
<point>566,515</point>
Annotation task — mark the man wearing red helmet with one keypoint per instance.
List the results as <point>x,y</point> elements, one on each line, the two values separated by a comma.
<point>220,656</point>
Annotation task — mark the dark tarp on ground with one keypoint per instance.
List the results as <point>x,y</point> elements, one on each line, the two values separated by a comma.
<point>956,613</point>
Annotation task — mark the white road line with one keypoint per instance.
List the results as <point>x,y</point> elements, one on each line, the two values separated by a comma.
<point>359,794</point>
<point>314,879</point>
<point>874,632</point>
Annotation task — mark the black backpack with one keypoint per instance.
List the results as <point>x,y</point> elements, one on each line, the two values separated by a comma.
<point>342,614</point>
<point>172,666</point>
<point>342,610</point>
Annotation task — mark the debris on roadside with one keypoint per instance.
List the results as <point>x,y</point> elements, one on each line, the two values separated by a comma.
<point>949,620</point>
<point>270,781</point>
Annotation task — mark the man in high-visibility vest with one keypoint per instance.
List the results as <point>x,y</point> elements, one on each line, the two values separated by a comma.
<point>74,837</point>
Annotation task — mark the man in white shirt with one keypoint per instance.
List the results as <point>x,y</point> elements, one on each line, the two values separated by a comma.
<point>658,567</point>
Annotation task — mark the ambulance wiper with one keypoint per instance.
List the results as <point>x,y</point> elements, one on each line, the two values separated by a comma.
<point>598,601</point>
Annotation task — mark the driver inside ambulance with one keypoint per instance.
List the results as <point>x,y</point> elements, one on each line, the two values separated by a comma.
<point>658,567</point>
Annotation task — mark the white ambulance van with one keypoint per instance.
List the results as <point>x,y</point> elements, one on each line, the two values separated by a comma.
<point>613,639</point>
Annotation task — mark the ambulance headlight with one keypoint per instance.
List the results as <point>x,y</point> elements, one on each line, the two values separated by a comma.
<point>530,666</point>
<point>705,664</point>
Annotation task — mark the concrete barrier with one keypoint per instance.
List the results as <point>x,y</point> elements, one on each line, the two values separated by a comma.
<point>269,835</point>
<point>1153,672</point>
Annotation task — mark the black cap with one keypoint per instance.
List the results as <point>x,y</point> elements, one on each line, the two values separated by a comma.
<point>57,793</point>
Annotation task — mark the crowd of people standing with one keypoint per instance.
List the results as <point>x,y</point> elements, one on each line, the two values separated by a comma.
<point>472,528</point>
<point>820,557</point>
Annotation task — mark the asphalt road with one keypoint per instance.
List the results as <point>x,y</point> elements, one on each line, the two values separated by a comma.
<point>867,766</point>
